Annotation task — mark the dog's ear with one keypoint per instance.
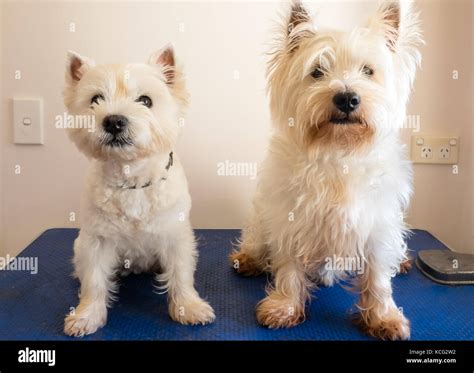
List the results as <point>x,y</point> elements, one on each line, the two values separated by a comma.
<point>389,19</point>
<point>299,24</point>
<point>165,59</point>
<point>398,22</point>
<point>76,66</point>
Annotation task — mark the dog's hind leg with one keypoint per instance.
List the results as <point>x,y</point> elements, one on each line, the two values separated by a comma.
<point>405,266</point>
<point>251,257</point>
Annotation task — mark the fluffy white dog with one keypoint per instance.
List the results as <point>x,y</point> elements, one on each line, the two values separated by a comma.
<point>336,181</point>
<point>136,205</point>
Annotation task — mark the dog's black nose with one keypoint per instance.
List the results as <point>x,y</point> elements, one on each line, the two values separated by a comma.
<point>346,102</point>
<point>114,124</point>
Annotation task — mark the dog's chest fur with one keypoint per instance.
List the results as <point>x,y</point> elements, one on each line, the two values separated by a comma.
<point>140,222</point>
<point>135,208</point>
<point>330,206</point>
<point>131,212</point>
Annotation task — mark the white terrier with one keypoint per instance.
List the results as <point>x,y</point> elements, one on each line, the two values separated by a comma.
<point>336,181</point>
<point>136,208</point>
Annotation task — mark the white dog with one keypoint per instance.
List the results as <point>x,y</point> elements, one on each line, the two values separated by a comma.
<point>136,208</point>
<point>336,181</point>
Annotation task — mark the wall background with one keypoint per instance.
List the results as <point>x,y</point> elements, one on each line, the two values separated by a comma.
<point>443,200</point>
<point>222,47</point>
<point>2,125</point>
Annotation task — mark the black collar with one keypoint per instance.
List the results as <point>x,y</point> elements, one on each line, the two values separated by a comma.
<point>149,182</point>
<point>146,185</point>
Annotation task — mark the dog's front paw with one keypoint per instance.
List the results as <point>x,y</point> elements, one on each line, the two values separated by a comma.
<point>194,312</point>
<point>83,323</point>
<point>392,326</point>
<point>277,312</point>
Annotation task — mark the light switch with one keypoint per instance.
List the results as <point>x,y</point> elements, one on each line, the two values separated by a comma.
<point>28,121</point>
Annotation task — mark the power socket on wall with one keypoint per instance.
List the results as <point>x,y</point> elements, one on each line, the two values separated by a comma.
<point>434,150</point>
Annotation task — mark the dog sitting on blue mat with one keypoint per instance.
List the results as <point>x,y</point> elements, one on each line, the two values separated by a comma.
<point>136,202</point>
<point>337,181</point>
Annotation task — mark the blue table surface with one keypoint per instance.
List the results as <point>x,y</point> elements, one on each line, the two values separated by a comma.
<point>33,306</point>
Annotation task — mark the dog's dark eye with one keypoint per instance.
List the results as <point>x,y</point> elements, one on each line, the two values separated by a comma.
<point>96,98</point>
<point>145,100</point>
<point>367,70</point>
<point>317,73</point>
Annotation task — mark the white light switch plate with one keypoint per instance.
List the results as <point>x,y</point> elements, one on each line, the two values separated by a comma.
<point>28,121</point>
<point>434,149</point>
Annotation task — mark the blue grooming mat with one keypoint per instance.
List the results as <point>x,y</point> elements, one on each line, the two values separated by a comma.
<point>33,306</point>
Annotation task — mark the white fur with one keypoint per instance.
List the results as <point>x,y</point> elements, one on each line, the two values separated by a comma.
<point>339,194</point>
<point>125,230</point>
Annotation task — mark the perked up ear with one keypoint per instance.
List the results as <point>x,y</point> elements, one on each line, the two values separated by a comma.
<point>389,14</point>
<point>76,66</point>
<point>398,22</point>
<point>165,59</point>
<point>299,24</point>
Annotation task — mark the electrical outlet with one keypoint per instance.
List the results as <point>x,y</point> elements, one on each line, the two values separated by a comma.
<point>426,152</point>
<point>444,152</point>
<point>434,150</point>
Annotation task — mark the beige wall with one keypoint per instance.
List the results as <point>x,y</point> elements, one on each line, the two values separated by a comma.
<point>228,117</point>
<point>443,200</point>
<point>2,124</point>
